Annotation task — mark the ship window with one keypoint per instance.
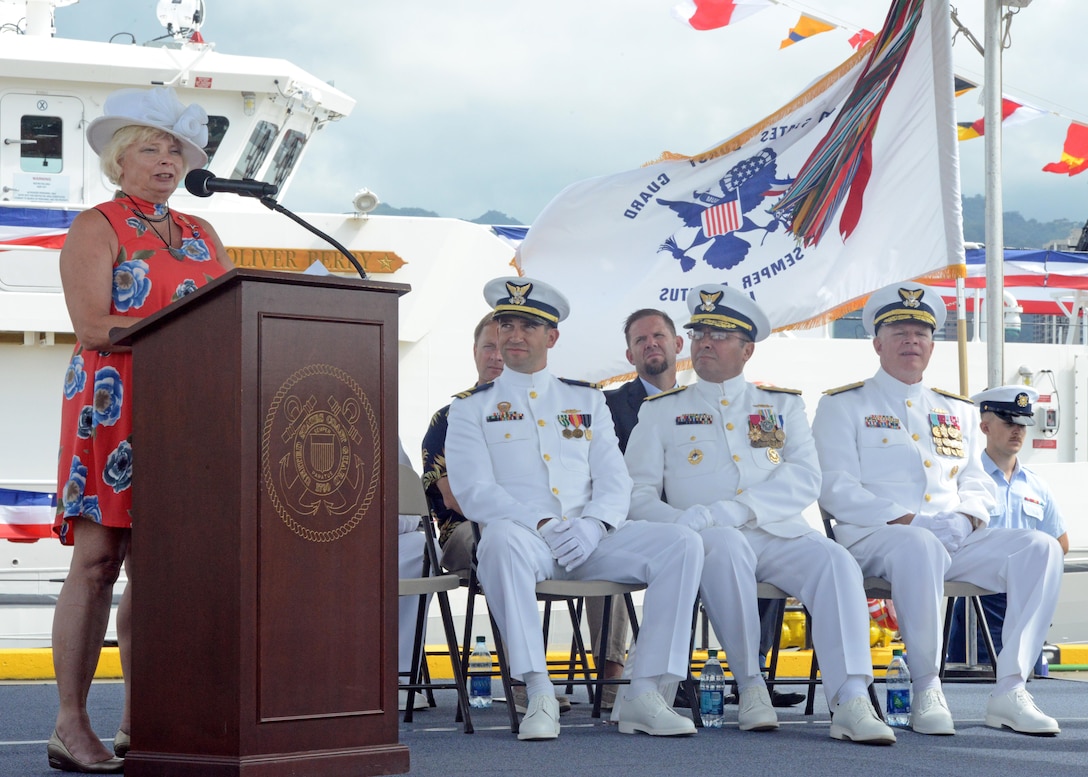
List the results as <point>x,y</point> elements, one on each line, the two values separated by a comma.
<point>286,156</point>
<point>217,128</point>
<point>260,143</point>
<point>40,144</point>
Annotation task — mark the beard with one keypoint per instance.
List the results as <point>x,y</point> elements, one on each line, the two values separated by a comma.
<point>656,368</point>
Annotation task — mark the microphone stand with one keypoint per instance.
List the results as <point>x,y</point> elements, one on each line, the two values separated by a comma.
<point>271,204</point>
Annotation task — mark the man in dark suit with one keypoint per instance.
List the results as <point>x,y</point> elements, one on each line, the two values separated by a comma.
<point>652,348</point>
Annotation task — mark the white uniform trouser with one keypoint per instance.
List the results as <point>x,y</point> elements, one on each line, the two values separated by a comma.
<point>513,558</point>
<point>410,564</point>
<point>811,568</point>
<point>457,557</point>
<point>1025,564</point>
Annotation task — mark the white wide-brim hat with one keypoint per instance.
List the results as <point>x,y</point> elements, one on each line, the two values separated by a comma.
<point>158,108</point>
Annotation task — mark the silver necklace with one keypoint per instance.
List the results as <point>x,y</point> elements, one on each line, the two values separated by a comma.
<point>166,241</point>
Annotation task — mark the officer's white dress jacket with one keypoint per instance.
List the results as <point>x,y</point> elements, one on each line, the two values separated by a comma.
<point>508,458</point>
<point>881,457</point>
<point>696,444</point>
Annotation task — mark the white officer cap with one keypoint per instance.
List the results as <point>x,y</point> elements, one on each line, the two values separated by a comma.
<point>723,307</point>
<point>903,302</point>
<point>527,298</point>
<point>1010,403</point>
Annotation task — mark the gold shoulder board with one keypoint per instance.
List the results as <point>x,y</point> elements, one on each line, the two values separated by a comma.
<point>474,390</point>
<point>583,383</point>
<point>848,387</point>
<point>779,389</point>
<point>950,395</point>
<point>670,392</point>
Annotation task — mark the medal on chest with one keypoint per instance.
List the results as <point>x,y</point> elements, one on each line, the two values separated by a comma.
<point>572,422</point>
<point>947,435</point>
<point>504,413</point>
<point>765,429</point>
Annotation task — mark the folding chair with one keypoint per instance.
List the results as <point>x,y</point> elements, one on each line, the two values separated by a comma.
<point>763,591</point>
<point>880,588</point>
<point>768,591</point>
<point>413,501</point>
<point>573,593</point>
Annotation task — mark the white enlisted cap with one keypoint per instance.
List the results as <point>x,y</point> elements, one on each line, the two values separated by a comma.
<point>903,302</point>
<point>1010,403</point>
<point>723,307</point>
<point>527,298</point>
<point>158,108</point>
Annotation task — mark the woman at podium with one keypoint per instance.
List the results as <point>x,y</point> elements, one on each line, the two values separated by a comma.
<point>122,261</point>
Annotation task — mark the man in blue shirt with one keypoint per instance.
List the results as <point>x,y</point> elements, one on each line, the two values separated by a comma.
<point>1024,501</point>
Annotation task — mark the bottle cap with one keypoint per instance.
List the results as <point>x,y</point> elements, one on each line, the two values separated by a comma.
<point>711,653</point>
<point>897,652</point>
<point>480,639</point>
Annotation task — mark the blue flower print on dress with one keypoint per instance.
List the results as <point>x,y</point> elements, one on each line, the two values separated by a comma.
<point>74,488</point>
<point>85,424</point>
<point>109,395</point>
<point>118,472</point>
<point>91,509</point>
<point>185,288</point>
<point>130,284</point>
<point>74,377</point>
<point>138,224</point>
<point>195,249</point>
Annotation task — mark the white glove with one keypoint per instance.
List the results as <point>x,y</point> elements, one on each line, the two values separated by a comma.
<point>407,523</point>
<point>696,518</point>
<point>948,527</point>
<point>573,541</point>
<point>729,514</point>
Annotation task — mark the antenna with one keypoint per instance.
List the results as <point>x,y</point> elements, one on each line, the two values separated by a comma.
<point>181,18</point>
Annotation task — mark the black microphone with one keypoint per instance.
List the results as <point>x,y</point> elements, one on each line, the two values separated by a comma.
<point>203,183</point>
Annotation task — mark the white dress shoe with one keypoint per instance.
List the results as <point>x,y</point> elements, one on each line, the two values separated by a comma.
<point>542,719</point>
<point>929,714</point>
<point>857,721</point>
<point>651,714</point>
<point>1017,710</point>
<point>521,701</point>
<point>420,702</point>
<point>756,711</point>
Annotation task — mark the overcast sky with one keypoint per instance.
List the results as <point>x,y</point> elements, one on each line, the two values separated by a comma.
<point>469,106</point>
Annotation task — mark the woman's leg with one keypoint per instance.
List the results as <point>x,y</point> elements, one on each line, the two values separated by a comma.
<point>79,627</point>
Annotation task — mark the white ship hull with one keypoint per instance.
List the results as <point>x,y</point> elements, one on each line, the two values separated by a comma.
<point>445,261</point>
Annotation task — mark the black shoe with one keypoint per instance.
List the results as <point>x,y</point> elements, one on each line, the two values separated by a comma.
<point>786,699</point>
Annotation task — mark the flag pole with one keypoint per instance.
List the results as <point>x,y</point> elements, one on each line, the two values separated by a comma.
<point>995,236</point>
<point>961,333</point>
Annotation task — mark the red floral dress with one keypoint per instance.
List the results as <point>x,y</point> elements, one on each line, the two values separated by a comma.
<point>94,469</point>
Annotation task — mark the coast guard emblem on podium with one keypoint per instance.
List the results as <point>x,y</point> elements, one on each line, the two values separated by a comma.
<point>319,431</point>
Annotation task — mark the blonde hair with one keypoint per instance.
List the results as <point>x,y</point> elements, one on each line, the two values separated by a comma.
<point>122,140</point>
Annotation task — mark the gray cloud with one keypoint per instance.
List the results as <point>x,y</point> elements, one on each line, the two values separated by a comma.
<point>465,107</point>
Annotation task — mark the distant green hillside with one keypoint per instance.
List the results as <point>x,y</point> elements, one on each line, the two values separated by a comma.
<point>1019,231</point>
<point>491,217</point>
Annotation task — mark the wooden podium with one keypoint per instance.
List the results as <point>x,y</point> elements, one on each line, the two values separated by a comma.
<point>264,547</point>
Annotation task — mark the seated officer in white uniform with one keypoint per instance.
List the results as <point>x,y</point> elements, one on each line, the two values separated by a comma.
<point>903,479</point>
<point>737,464</point>
<point>533,459</point>
<point>1024,500</point>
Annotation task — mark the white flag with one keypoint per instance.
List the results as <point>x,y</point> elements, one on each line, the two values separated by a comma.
<point>642,238</point>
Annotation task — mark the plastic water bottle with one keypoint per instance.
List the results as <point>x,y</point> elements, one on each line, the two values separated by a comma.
<point>897,681</point>
<point>479,675</point>
<point>712,691</point>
